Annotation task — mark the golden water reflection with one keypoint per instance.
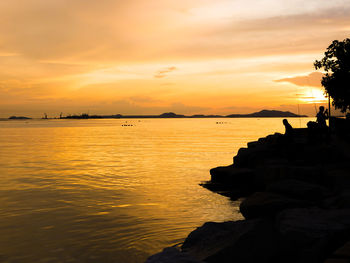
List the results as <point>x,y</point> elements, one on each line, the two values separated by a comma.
<point>97,191</point>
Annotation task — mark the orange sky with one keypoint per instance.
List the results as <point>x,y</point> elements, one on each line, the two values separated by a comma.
<point>155,56</point>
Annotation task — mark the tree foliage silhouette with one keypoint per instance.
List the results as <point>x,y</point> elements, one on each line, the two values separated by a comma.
<point>336,81</point>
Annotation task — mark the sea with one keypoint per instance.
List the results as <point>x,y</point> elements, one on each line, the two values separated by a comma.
<point>114,190</point>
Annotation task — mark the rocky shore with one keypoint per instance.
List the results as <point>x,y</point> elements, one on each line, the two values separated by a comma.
<point>296,204</point>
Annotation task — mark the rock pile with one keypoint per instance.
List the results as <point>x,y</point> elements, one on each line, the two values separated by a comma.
<point>296,206</point>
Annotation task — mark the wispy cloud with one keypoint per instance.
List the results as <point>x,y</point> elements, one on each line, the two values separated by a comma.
<point>163,72</point>
<point>8,54</point>
<point>143,99</point>
<point>311,80</point>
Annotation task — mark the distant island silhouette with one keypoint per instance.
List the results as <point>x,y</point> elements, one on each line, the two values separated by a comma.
<point>266,114</point>
<point>19,118</point>
<point>167,115</point>
<point>260,114</point>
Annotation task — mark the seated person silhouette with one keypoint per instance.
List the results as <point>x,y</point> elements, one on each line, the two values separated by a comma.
<point>289,129</point>
<point>319,129</point>
<point>321,117</point>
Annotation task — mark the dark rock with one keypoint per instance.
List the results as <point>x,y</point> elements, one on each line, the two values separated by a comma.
<point>262,140</point>
<point>240,241</point>
<point>171,255</point>
<point>261,204</point>
<point>306,225</point>
<point>344,251</point>
<point>253,144</point>
<point>233,191</point>
<point>339,179</point>
<point>299,190</point>
<point>320,154</point>
<point>311,174</point>
<point>212,237</point>
<point>231,175</point>
<point>336,260</point>
<point>274,138</point>
<point>252,157</point>
<point>231,181</point>
<point>343,200</point>
<point>331,202</point>
<point>259,245</point>
<point>267,174</point>
<point>304,213</point>
<point>276,161</point>
<point>310,235</point>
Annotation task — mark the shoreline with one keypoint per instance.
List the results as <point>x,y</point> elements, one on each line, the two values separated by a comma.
<point>296,206</point>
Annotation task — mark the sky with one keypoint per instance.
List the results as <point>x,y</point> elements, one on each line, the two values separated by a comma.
<point>155,56</point>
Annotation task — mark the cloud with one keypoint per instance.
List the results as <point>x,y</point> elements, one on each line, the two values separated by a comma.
<point>280,34</point>
<point>73,49</point>
<point>311,80</point>
<point>83,31</point>
<point>163,73</point>
<point>181,108</point>
<point>137,30</point>
<point>143,99</point>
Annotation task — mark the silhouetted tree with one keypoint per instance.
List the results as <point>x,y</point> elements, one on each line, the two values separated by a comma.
<point>336,81</point>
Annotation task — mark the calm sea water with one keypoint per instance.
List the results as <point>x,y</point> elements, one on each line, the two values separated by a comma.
<point>98,191</point>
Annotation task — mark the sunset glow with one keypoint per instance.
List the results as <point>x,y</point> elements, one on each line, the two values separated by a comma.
<point>142,57</point>
<point>314,96</point>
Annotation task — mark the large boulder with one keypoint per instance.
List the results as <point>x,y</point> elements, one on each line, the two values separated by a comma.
<point>311,174</point>
<point>271,173</point>
<point>321,153</point>
<point>299,190</point>
<point>247,241</point>
<point>253,157</point>
<point>231,181</point>
<point>231,175</point>
<point>253,144</point>
<point>340,201</point>
<point>341,255</point>
<point>311,234</point>
<point>262,204</point>
<point>171,255</point>
<point>212,237</point>
<point>339,178</point>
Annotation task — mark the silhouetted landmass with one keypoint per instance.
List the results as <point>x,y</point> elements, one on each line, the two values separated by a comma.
<point>267,113</point>
<point>205,116</point>
<point>19,118</point>
<point>260,114</point>
<point>171,115</point>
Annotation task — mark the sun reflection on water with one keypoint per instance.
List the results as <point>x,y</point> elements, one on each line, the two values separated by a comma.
<point>94,190</point>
